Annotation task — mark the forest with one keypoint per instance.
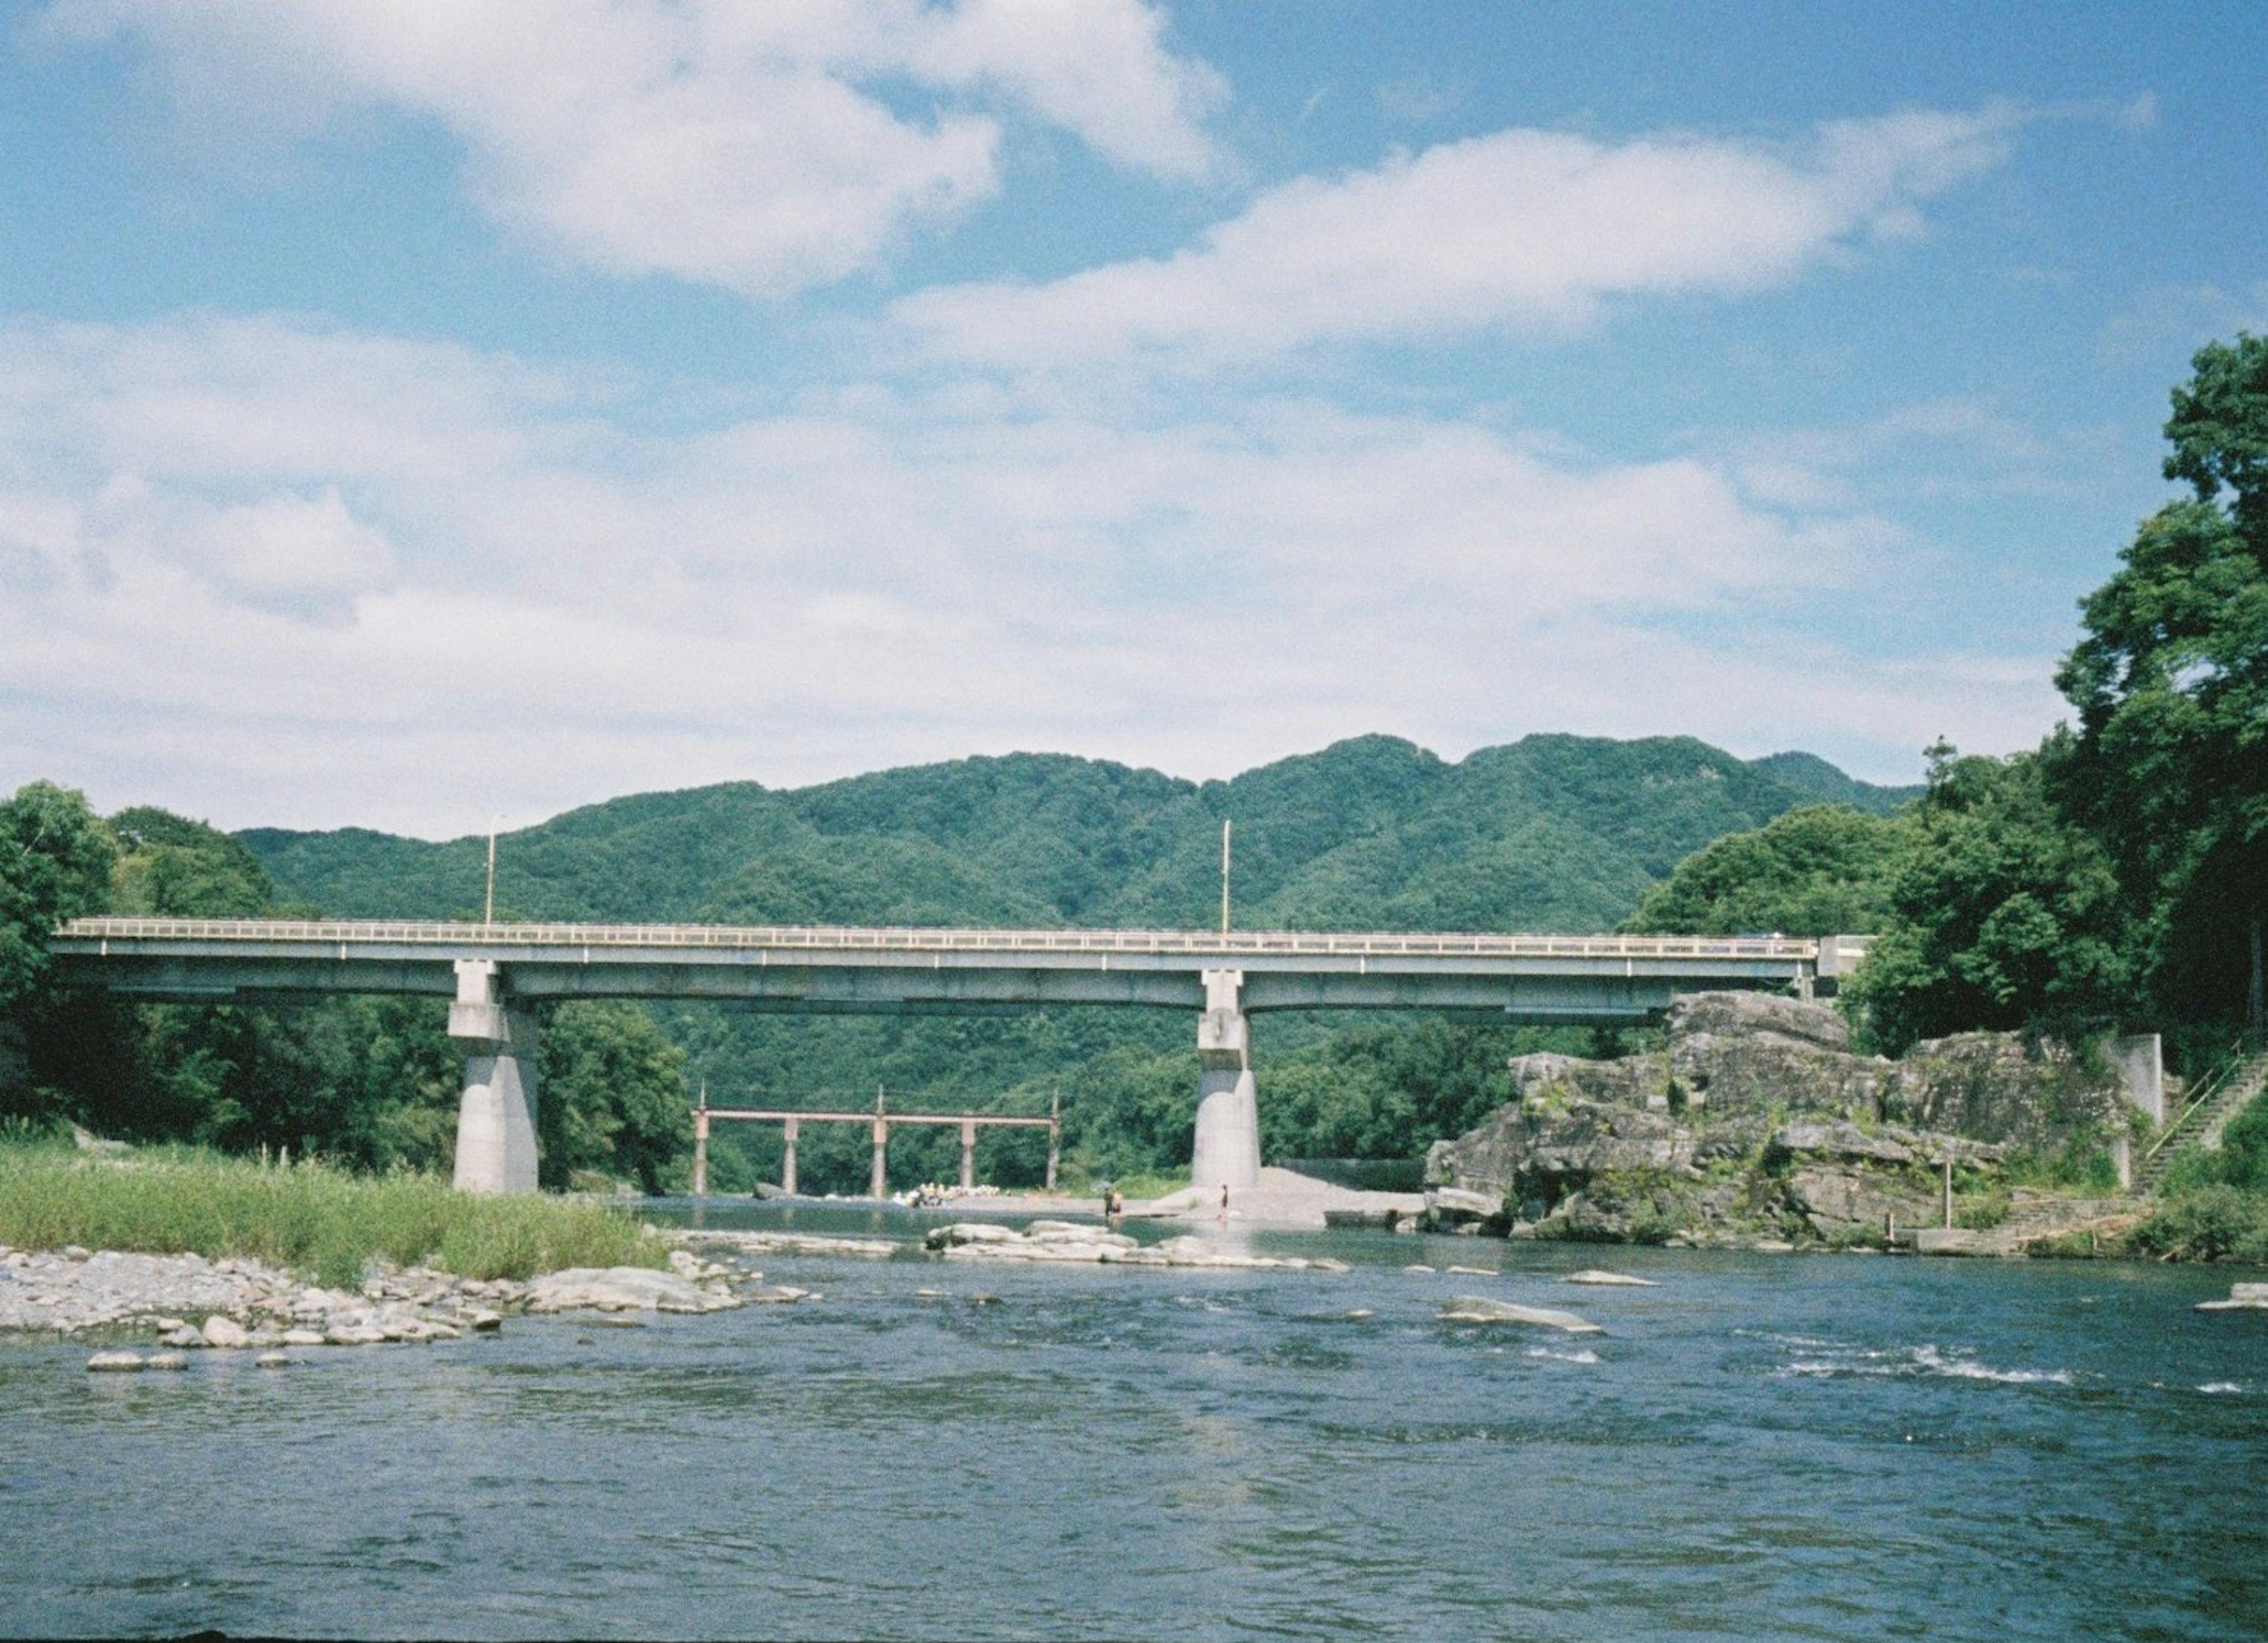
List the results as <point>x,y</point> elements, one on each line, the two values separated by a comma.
<point>2115,876</point>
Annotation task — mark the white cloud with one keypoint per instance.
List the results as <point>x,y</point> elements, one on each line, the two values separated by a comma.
<point>741,145</point>
<point>1523,228</point>
<point>521,602</point>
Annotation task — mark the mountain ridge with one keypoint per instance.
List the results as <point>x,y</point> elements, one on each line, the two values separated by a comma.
<point>1551,832</point>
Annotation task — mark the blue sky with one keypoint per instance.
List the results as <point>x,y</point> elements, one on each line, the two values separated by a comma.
<point>410,414</point>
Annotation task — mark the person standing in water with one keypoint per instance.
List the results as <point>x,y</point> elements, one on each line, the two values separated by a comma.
<point>1223,1200</point>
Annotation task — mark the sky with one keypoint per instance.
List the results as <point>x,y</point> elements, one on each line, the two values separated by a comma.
<point>415,416</point>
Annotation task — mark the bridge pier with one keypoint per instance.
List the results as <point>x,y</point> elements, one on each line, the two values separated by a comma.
<point>968,1155</point>
<point>787,1164</point>
<point>881,1187</point>
<point>1226,1153</point>
<point>496,1118</point>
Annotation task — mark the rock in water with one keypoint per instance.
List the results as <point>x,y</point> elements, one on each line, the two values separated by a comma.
<point>221,1330</point>
<point>114,1363</point>
<point>271,1360</point>
<point>966,1232</point>
<point>621,1289</point>
<point>1594,1275</point>
<point>167,1360</point>
<point>1481,1310</point>
<point>2242,1298</point>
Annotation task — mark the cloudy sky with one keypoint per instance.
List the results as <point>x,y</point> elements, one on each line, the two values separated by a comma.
<point>411,415</point>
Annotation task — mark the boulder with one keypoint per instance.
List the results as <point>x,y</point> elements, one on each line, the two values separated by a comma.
<point>1629,1081</point>
<point>221,1330</point>
<point>166,1360</point>
<point>1483,1309</point>
<point>114,1363</point>
<point>1594,1275</point>
<point>621,1289</point>
<point>1528,1151</point>
<point>1743,1051</point>
<point>966,1232</point>
<point>2242,1298</point>
<point>1837,1201</point>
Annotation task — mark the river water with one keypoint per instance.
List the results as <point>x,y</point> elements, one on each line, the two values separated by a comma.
<point>1762,1447</point>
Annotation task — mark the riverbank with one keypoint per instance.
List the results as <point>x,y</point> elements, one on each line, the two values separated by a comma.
<point>308,1218</point>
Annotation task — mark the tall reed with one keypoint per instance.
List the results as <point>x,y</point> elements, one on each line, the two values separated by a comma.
<point>308,1217</point>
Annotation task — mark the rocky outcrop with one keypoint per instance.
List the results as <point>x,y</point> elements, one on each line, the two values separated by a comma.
<point>1542,1151</point>
<point>1757,1120</point>
<point>1736,1052</point>
<point>2001,1087</point>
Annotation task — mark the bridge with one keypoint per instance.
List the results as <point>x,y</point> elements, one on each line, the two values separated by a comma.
<point>494,973</point>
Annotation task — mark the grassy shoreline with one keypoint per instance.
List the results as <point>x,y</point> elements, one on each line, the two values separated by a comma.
<point>310,1217</point>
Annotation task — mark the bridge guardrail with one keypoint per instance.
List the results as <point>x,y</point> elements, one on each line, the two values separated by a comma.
<point>926,940</point>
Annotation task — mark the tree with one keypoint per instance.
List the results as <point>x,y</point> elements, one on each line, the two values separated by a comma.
<point>2169,765</point>
<point>2003,914</point>
<point>1820,871</point>
<point>610,1090</point>
<point>55,865</point>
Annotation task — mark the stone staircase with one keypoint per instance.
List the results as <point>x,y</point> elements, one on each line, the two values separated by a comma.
<point>2199,1123</point>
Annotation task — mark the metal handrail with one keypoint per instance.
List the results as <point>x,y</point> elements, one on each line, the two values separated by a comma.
<point>2216,1081</point>
<point>914,938</point>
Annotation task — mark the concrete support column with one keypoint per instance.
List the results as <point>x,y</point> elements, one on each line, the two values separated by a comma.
<point>968,1156</point>
<point>700,1152</point>
<point>787,1166</point>
<point>496,1119</point>
<point>1226,1153</point>
<point>880,1188</point>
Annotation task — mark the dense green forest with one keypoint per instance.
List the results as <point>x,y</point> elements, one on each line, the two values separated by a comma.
<point>1555,832</point>
<point>2117,876</point>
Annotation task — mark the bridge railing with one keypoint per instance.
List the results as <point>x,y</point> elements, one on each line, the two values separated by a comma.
<point>353,932</point>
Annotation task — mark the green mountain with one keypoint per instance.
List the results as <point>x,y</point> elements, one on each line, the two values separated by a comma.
<point>1550,833</point>
<point>1826,784</point>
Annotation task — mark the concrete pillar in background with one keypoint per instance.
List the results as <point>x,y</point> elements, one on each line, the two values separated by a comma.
<point>968,1155</point>
<point>496,1118</point>
<point>787,1166</point>
<point>1226,1153</point>
<point>1055,1136</point>
<point>701,1152</point>
<point>882,1176</point>
<point>2142,1069</point>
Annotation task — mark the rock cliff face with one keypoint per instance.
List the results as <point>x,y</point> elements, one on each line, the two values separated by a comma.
<point>1994,1086</point>
<point>1757,1120</point>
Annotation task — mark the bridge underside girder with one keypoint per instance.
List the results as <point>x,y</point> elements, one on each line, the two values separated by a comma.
<point>1514,993</point>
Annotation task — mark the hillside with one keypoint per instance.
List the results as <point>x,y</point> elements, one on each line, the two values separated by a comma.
<point>1552,832</point>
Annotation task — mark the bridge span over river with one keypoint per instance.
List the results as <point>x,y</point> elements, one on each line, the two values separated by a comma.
<point>494,973</point>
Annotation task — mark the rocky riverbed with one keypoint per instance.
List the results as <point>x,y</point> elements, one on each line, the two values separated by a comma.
<point>188,1303</point>
<point>182,1304</point>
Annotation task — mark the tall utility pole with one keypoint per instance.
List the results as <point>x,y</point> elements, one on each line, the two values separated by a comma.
<point>1225,826</point>
<point>488,913</point>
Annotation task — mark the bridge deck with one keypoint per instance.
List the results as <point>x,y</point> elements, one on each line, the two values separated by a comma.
<point>853,971</point>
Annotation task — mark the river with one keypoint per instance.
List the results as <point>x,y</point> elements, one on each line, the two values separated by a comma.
<point>1761,1446</point>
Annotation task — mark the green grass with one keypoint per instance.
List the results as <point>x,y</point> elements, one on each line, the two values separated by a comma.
<point>310,1217</point>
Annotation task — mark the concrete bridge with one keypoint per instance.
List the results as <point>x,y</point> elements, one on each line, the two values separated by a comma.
<point>493,973</point>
